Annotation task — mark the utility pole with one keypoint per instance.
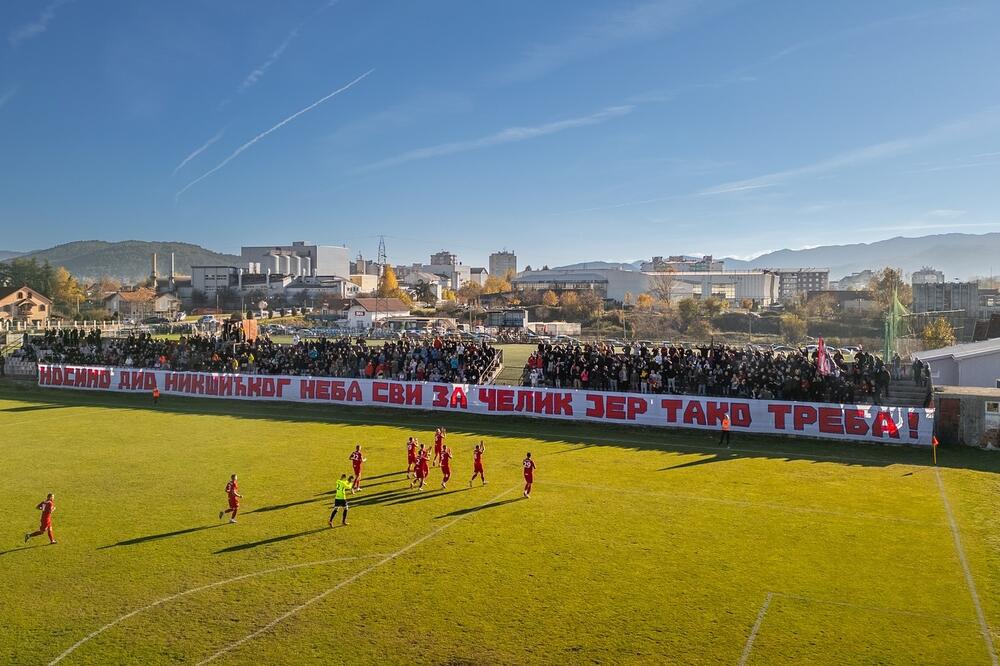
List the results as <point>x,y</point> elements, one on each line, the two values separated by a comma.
<point>380,262</point>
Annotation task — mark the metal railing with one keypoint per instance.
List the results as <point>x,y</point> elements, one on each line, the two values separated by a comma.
<point>493,370</point>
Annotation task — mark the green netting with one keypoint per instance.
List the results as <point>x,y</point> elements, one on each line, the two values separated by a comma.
<point>896,327</point>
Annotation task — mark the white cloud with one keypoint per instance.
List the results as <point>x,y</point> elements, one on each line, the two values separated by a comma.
<point>38,26</point>
<point>509,135</point>
<point>878,151</point>
<point>601,34</point>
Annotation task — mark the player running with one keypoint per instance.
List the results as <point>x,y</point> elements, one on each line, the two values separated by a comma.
<point>445,466</point>
<point>438,445</point>
<point>46,506</point>
<point>477,463</point>
<point>421,468</point>
<point>529,474</point>
<point>411,455</point>
<point>357,458</point>
<point>233,492</point>
<point>340,498</point>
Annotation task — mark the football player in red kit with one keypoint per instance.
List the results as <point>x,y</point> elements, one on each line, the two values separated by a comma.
<point>233,492</point>
<point>438,444</point>
<point>445,466</point>
<point>357,458</point>
<point>529,474</point>
<point>411,455</point>
<point>477,463</point>
<point>420,469</point>
<point>46,506</point>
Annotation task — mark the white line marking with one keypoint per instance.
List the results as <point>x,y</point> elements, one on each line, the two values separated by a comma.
<point>319,597</point>
<point>735,502</point>
<point>195,590</point>
<point>971,584</point>
<point>756,627</point>
<point>509,431</point>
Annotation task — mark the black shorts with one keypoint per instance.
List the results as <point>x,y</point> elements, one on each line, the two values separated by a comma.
<point>340,502</point>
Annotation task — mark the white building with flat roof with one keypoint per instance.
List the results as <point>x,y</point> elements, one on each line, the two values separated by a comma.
<point>300,259</point>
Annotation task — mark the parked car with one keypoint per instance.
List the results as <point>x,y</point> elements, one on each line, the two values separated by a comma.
<point>156,320</point>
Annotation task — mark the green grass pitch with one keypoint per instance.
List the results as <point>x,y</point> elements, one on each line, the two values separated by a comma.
<point>637,546</point>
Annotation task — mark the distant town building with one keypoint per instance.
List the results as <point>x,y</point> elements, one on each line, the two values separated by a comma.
<point>927,275</point>
<point>854,282</point>
<point>25,305</point>
<point>131,304</point>
<point>935,297</point>
<point>367,282</point>
<point>446,265</point>
<point>794,283</point>
<point>503,262</point>
<point>681,263</point>
<point>362,266</point>
<point>363,312</point>
<point>300,259</point>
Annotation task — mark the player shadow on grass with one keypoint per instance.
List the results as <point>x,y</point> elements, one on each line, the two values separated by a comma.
<point>425,495</point>
<point>157,537</point>
<point>33,408</point>
<point>716,457</point>
<point>287,505</point>
<point>15,550</point>
<point>366,484</point>
<point>474,509</point>
<point>265,542</point>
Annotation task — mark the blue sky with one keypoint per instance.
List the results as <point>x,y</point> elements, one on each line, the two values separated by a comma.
<point>563,130</point>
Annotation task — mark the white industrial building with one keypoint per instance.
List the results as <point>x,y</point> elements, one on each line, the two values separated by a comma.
<point>503,262</point>
<point>613,284</point>
<point>300,259</point>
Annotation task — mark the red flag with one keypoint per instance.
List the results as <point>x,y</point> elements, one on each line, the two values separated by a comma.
<point>934,441</point>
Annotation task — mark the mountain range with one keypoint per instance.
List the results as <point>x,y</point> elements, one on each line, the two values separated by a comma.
<point>129,261</point>
<point>959,256</point>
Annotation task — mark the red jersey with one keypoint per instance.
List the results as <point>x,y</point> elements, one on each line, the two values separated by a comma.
<point>445,459</point>
<point>438,441</point>
<point>477,456</point>
<point>47,507</point>
<point>232,489</point>
<point>411,446</point>
<point>529,466</point>
<point>356,458</point>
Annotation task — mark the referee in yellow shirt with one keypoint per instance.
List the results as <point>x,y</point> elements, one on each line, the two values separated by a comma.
<point>340,498</point>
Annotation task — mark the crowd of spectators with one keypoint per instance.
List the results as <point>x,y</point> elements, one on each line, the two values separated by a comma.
<point>745,372</point>
<point>437,359</point>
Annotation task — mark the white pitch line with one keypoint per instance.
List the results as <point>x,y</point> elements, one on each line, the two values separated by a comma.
<point>756,627</point>
<point>735,502</point>
<point>195,590</point>
<point>509,431</point>
<point>319,597</point>
<point>984,628</point>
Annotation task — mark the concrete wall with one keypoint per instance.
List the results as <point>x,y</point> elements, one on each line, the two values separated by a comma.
<point>979,371</point>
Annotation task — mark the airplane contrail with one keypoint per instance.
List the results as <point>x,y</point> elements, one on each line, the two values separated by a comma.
<point>268,131</point>
<point>199,150</point>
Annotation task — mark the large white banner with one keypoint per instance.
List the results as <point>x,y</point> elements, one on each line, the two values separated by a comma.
<point>897,425</point>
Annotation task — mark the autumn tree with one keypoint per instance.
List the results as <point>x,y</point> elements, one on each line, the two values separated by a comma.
<point>937,334</point>
<point>661,285</point>
<point>469,292</point>
<point>688,312</point>
<point>497,285</point>
<point>713,306</point>
<point>644,302</point>
<point>66,291</point>
<point>793,328</point>
<point>388,286</point>
<point>887,282</point>
<point>549,299</point>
